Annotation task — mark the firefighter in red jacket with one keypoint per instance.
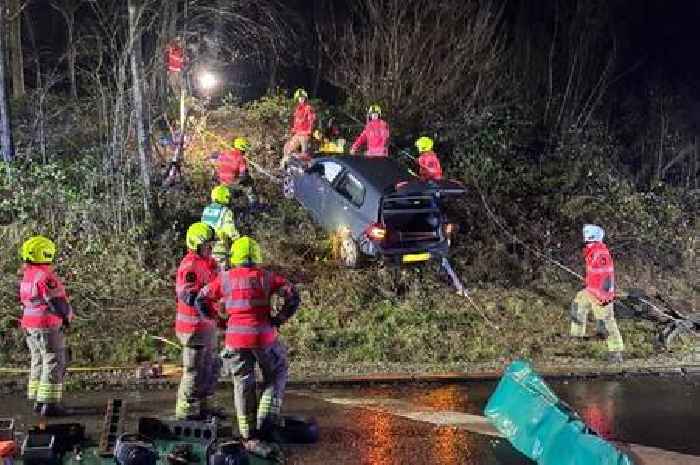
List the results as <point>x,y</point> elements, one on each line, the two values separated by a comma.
<point>251,336</point>
<point>599,293</point>
<point>232,168</point>
<point>302,127</point>
<point>375,134</point>
<point>428,163</point>
<point>196,332</point>
<point>46,312</point>
<point>175,63</point>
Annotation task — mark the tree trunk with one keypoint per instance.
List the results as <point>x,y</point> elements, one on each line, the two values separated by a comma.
<point>6,147</point>
<point>71,54</point>
<point>142,129</point>
<point>15,48</point>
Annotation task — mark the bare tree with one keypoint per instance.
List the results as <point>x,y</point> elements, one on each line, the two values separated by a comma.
<point>15,47</point>
<point>68,8</point>
<point>136,10</point>
<point>420,59</point>
<point>565,51</point>
<point>6,146</point>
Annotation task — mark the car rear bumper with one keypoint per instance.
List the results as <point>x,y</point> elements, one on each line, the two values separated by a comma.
<point>398,256</point>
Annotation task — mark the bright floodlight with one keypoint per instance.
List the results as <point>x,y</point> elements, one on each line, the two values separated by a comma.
<point>207,80</point>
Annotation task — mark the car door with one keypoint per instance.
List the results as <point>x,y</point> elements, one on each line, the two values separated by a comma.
<point>315,186</point>
<point>343,208</point>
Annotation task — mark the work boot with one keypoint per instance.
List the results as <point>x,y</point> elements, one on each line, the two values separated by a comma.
<point>54,410</point>
<point>37,407</point>
<point>615,357</point>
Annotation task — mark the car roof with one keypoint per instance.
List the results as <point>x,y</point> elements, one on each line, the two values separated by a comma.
<point>381,172</point>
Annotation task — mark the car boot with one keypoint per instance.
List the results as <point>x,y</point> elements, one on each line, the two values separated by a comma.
<point>54,410</point>
<point>615,357</point>
<point>37,407</point>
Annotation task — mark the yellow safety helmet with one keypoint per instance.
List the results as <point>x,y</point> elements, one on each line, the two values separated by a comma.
<point>424,144</point>
<point>374,109</point>
<point>38,249</point>
<point>245,251</point>
<point>221,194</point>
<point>300,93</point>
<point>241,143</point>
<point>198,234</point>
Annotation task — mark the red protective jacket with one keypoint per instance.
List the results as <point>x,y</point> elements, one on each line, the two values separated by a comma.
<point>38,287</point>
<point>230,165</point>
<point>429,166</point>
<point>376,136</point>
<point>600,272</point>
<point>194,273</point>
<point>304,119</point>
<point>246,293</point>
<point>175,58</point>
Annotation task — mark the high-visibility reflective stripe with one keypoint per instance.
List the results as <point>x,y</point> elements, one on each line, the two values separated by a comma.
<point>606,269</point>
<point>242,304</point>
<point>238,329</point>
<point>187,318</point>
<point>35,311</point>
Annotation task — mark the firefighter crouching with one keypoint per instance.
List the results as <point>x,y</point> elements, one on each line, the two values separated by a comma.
<point>46,312</point>
<point>251,336</point>
<point>598,295</point>
<point>196,333</point>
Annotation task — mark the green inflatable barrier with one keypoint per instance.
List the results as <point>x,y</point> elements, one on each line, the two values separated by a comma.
<point>526,411</point>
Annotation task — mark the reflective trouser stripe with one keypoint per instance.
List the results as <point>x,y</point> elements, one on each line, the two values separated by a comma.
<point>604,316</point>
<point>184,408</point>
<point>200,371</point>
<point>273,364</point>
<point>48,364</point>
<point>32,388</point>
<point>49,393</point>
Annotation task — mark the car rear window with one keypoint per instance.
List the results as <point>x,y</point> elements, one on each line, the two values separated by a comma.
<point>352,189</point>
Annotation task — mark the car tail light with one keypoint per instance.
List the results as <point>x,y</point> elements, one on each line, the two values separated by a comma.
<point>450,229</point>
<point>376,232</point>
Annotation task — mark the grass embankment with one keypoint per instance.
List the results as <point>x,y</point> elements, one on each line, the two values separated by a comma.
<point>121,277</point>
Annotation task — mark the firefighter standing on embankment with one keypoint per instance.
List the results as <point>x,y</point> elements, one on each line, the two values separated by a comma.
<point>251,336</point>
<point>232,168</point>
<point>302,127</point>
<point>196,332</point>
<point>429,168</point>
<point>46,313</point>
<point>375,134</point>
<point>598,294</point>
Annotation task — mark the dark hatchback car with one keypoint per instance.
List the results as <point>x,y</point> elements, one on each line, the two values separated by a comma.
<point>374,206</point>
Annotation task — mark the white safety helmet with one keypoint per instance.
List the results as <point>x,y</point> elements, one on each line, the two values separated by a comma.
<point>593,233</point>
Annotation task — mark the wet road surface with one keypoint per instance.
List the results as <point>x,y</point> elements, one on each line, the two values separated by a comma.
<point>654,411</point>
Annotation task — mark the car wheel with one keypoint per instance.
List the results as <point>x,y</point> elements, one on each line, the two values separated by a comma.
<point>288,186</point>
<point>349,252</point>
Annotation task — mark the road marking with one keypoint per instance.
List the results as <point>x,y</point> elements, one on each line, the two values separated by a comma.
<point>480,425</point>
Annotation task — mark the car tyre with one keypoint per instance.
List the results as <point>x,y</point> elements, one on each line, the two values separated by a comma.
<point>288,186</point>
<point>349,253</point>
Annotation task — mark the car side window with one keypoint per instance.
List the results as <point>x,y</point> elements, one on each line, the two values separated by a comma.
<point>352,189</point>
<point>330,171</point>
